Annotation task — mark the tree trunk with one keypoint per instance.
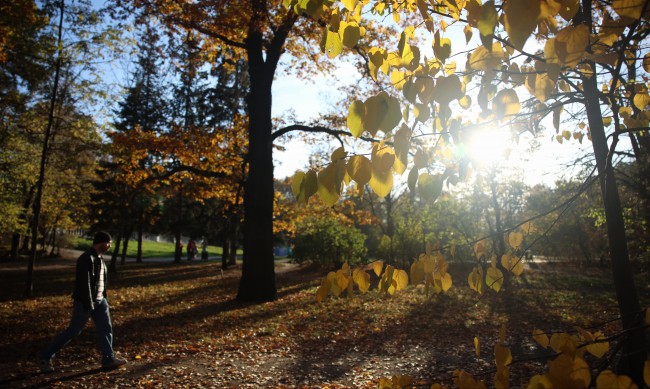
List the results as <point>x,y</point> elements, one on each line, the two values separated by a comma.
<point>225,253</point>
<point>138,257</point>
<point>29,282</point>
<point>633,351</point>
<point>257,283</point>
<point>112,267</point>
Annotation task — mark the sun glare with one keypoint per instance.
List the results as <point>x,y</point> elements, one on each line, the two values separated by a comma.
<point>487,146</point>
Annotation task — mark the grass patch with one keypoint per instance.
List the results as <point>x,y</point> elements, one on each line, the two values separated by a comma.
<point>150,249</point>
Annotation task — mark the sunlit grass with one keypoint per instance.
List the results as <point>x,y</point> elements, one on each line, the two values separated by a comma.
<point>149,249</point>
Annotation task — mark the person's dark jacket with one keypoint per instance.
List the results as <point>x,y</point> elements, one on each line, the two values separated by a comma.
<point>87,277</point>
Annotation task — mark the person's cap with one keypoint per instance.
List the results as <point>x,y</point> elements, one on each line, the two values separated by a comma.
<point>102,237</point>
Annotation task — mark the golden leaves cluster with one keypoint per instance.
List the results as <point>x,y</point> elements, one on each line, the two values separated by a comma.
<point>430,270</point>
<point>430,85</point>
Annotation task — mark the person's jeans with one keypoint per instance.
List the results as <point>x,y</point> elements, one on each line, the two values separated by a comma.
<point>102,318</point>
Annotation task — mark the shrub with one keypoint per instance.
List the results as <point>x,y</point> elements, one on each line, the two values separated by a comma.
<point>325,241</point>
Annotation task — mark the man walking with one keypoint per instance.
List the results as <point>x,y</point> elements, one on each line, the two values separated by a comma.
<point>89,300</point>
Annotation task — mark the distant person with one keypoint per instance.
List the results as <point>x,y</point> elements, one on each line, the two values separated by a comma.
<point>204,250</point>
<point>191,250</point>
<point>89,301</point>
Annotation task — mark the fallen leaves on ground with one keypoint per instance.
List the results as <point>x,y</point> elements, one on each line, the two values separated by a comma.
<point>180,326</point>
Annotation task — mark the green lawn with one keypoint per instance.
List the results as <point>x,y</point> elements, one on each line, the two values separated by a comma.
<point>149,249</point>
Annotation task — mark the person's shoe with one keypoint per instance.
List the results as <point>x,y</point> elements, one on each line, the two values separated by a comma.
<point>45,365</point>
<point>114,363</point>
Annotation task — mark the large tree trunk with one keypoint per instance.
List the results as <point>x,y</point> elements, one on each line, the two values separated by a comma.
<point>257,283</point>
<point>633,351</point>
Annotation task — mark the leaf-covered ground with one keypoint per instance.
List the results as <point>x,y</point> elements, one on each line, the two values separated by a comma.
<point>180,327</point>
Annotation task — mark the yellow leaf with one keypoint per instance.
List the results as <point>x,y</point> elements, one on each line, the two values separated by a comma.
<point>506,103</point>
<point>629,8</point>
<point>541,338</point>
<point>521,20</point>
<point>304,185</point>
<point>342,280</point>
<point>571,44</point>
<point>477,347</point>
<point>465,102</point>
<point>486,59</point>
<point>441,47</point>
<point>329,183</point>
<point>515,239</point>
<point>360,169</point>
<point>541,85</point>
<point>540,382</point>
<point>422,112</point>
<point>475,280</point>
<point>296,181</point>
<point>600,347</point>
<point>646,62</point>
<point>333,45</point>
<point>356,112</point>
<point>323,290</point>
<point>479,249</point>
<point>417,272</point>
<point>378,61</point>
<point>349,4</point>
<point>642,100</point>
<point>487,21</point>
<point>494,279</point>
<point>647,316</point>
<point>402,279</point>
<point>607,379</point>
<point>557,111</point>
<point>362,279</point>
<point>563,343</point>
<point>468,33</point>
<point>445,282</point>
<point>377,266</point>
<point>398,79</point>
<point>338,154</point>
<point>646,372</point>
<point>382,112</point>
<point>465,380</point>
<point>502,354</point>
<point>448,89</point>
<point>351,34</point>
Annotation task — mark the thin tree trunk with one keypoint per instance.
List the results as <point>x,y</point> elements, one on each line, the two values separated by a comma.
<point>29,283</point>
<point>633,351</point>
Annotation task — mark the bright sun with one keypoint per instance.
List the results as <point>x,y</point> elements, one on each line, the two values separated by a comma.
<point>487,146</point>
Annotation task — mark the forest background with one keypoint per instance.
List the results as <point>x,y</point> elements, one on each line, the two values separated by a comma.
<point>188,150</point>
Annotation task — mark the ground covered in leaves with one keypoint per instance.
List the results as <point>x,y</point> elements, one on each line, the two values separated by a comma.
<point>180,326</point>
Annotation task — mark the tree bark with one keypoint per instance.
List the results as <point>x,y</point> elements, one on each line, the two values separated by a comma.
<point>258,273</point>
<point>257,283</point>
<point>633,350</point>
<point>29,282</point>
